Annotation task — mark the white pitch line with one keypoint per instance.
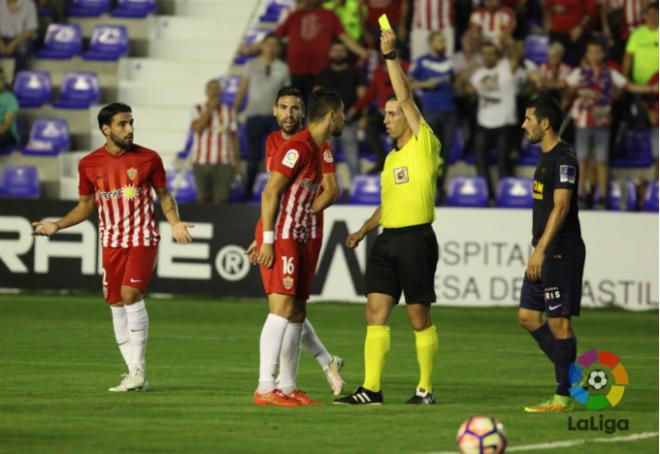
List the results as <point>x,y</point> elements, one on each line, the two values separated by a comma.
<point>571,443</point>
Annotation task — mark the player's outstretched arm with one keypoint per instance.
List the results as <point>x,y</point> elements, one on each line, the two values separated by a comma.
<point>399,83</point>
<point>79,213</point>
<point>372,223</point>
<point>329,195</point>
<point>270,200</point>
<point>171,213</point>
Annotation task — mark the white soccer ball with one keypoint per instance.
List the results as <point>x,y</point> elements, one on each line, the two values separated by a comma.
<point>597,379</point>
<point>481,435</point>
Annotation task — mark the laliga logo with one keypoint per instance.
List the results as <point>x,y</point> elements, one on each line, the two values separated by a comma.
<point>598,380</point>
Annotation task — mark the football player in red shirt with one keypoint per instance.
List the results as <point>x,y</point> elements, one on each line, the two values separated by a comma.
<point>289,113</point>
<point>118,179</point>
<point>285,258</point>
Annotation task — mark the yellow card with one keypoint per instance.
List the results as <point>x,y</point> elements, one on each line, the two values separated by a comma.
<point>384,22</point>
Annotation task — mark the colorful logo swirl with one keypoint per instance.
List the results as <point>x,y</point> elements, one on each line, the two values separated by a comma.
<point>598,380</point>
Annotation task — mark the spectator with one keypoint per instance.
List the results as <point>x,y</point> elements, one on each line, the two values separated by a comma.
<point>430,16</point>
<point>262,77</point>
<point>18,24</point>
<point>215,147</point>
<point>493,22</point>
<point>642,49</point>
<point>347,80</point>
<point>650,105</point>
<point>594,85</point>
<point>433,74</point>
<point>553,73</point>
<point>350,14</point>
<point>618,19</point>
<point>379,89</point>
<point>397,13</point>
<point>465,63</point>
<point>495,86</point>
<point>8,114</point>
<point>59,9</point>
<point>311,30</point>
<point>569,22</point>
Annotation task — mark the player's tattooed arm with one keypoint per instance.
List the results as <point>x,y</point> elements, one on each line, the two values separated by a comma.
<point>171,213</point>
<point>372,223</point>
<point>79,213</point>
<point>562,202</point>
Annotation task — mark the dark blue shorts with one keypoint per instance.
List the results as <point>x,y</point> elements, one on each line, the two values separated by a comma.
<point>559,291</point>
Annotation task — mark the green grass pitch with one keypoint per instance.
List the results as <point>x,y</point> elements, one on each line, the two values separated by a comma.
<point>58,357</point>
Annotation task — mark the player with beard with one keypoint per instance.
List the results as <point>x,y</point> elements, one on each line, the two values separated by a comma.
<point>289,113</point>
<point>553,280</point>
<point>286,258</point>
<point>119,178</point>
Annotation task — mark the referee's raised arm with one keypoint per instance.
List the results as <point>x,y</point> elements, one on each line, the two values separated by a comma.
<point>398,78</point>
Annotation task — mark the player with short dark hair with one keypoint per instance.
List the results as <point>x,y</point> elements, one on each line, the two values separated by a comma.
<point>285,259</point>
<point>119,178</point>
<point>405,256</point>
<point>289,114</point>
<point>553,279</point>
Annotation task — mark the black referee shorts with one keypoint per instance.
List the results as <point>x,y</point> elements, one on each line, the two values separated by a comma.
<point>405,260</point>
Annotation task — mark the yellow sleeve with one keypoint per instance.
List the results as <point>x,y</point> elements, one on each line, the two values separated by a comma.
<point>428,141</point>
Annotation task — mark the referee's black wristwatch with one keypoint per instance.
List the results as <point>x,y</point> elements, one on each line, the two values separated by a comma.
<point>390,55</point>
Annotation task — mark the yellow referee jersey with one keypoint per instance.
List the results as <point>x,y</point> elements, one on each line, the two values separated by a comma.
<point>408,181</point>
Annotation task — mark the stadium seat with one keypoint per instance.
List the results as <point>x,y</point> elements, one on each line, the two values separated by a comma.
<point>258,187</point>
<point>33,88</point>
<point>631,196</point>
<point>529,155</point>
<point>62,42</point>
<point>253,36</point>
<point>229,90</point>
<point>48,137</point>
<point>182,186</point>
<point>89,8</point>
<point>79,90</point>
<point>134,8</point>
<point>237,191</point>
<point>634,150</point>
<point>651,197</point>
<point>19,182</point>
<point>614,196</point>
<point>467,192</point>
<point>365,190</point>
<point>514,193</point>
<point>108,43</point>
<point>274,10</point>
<point>457,149</point>
<point>536,48</point>
<point>243,147</point>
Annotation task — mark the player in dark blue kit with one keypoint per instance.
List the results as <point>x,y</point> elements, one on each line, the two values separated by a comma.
<point>553,279</point>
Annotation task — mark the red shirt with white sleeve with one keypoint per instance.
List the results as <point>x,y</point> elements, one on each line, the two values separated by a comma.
<point>122,185</point>
<point>215,143</point>
<point>493,23</point>
<point>434,14</point>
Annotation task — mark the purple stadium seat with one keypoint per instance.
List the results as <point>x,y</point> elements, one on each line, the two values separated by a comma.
<point>274,10</point>
<point>514,193</point>
<point>33,88</point>
<point>651,197</point>
<point>635,150</point>
<point>19,182</point>
<point>136,9</point>
<point>182,186</point>
<point>237,191</point>
<point>108,42</point>
<point>183,154</point>
<point>529,155</point>
<point>229,91</point>
<point>79,90</point>
<point>48,137</point>
<point>365,190</point>
<point>62,42</point>
<point>258,187</point>
<point>89,8</point>
<point>536,48</point>
<point>631,196</point>
<point>467,192</point>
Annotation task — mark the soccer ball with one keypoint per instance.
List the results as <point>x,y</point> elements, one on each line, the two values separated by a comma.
<point>481,435</point>
<point>597,379</point>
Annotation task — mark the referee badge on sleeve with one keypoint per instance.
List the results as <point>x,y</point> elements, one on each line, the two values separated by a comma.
<point>567,174</point>
<point>401,175</point>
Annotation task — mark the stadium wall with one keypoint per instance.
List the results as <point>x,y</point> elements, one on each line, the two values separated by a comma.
<point>483,254</point>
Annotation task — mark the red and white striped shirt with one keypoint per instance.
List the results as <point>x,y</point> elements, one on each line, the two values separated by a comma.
<point>274,142</point>
<point>492,24</point>
<point>633,11</point>
<point>122,185</point>
<point>434,15</point>
<point>214,144</point>
<point>299,159</point>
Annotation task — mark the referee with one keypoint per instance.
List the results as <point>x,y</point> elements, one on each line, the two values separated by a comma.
<point>405,255</point>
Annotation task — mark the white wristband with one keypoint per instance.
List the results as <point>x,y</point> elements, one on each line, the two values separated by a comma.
<point>269,237</point>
